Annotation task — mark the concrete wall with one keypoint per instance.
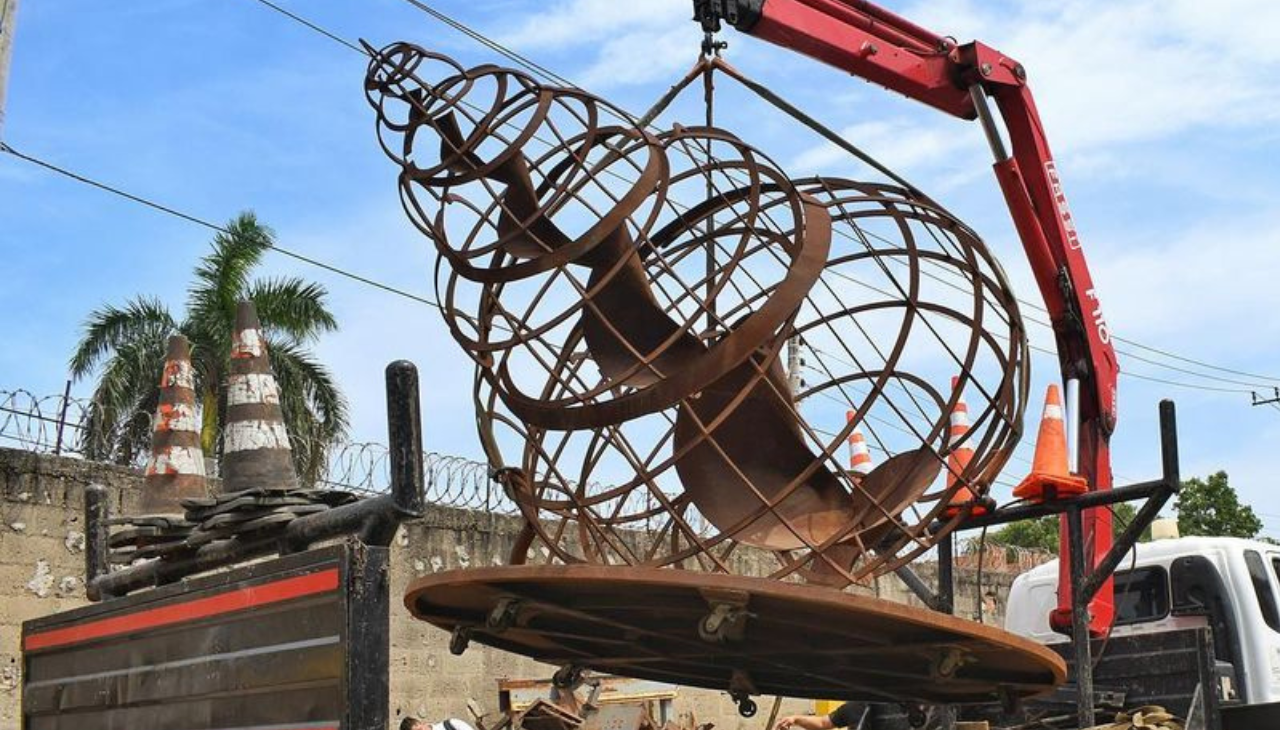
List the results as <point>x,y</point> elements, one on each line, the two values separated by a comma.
<point>41,572</point>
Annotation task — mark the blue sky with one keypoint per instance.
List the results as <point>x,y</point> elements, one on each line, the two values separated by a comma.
<point>1163,115</point>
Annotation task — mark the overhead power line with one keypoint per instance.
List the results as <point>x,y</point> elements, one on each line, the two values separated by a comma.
<point>537,68</point>
<point>167,210</point>
<point>316,28</point>
<point>1154,379</point>
<point>528,64</point>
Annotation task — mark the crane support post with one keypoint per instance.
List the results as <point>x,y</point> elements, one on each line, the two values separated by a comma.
<point>867,41</point>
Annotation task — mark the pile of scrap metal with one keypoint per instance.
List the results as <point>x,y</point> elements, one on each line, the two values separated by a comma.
<point>1151,717</point>
<point>1147,717</point>
<point>597,702</point>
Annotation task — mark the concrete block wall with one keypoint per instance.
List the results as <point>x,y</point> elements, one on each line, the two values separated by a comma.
<point>42,569</point>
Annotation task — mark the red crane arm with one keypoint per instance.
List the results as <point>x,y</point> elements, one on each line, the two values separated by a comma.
<point>868,41</point>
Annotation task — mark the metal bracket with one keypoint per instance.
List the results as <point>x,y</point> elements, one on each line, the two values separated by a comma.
<point>947,662</point>
<point>459,640</point>
<point>727,620</point>
<point>503,616</point>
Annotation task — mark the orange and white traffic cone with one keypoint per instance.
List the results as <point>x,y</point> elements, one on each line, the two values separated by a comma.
<point>958,460</point>
<point>859,454</point>
<point>175,470</point>
<point>255,447</point>
<point>1050,477</point>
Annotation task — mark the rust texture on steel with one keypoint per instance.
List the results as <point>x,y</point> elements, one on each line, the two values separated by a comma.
<point>766,637</point>
<point>627,295</point>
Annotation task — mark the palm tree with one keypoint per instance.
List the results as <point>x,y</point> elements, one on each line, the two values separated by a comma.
<point>126,346</point>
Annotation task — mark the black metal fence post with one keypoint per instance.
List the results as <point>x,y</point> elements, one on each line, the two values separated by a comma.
<point>946,577</point>
<point>404,437</point>
<point>1080,620</point>
<point>1208,670</point>
<point>62,419</point>
<point>96,513</point>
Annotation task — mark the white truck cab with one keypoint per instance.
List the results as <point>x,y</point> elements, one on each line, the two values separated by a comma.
<point>1230,584</point>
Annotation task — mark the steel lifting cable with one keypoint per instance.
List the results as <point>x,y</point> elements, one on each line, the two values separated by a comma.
<point>708,64</point>
<point>710,50</point>
<point>812,124</point>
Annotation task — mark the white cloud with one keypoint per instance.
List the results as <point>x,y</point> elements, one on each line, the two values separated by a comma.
<point>630,46</point>
<point>1106,72</point>
<point>1208,288</point>
<point>640,57</point>
<point>581,22</point>
<point>905,146</point>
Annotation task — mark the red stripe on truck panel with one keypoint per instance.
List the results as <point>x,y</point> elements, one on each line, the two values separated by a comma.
<point>235,600</point>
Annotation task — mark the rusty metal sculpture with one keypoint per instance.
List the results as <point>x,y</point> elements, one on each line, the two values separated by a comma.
<point>627,296</point>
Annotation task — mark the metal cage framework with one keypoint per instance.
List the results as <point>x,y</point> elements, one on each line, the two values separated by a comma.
<point>627,296</point>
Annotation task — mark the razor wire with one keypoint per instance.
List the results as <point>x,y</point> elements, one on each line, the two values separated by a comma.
<point>43,424</point>
<point>57,425</point>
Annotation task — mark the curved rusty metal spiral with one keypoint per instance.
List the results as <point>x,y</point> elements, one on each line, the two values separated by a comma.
<point>627,296</point>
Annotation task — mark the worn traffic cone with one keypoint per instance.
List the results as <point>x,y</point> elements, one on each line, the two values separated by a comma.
<point>859,455</point>
<point>1050,477</point>
<point>958,460</point>
<point>175,470</point>
<point>255,446</point>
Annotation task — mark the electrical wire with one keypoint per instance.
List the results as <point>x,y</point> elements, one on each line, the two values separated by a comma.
<point>1133,565</point>
<point>526,63</point>
<point>538,69</point>
<point>1048,325</point>
<point>313,26</point>
<point>168,210</point>
<point>1154,379</point>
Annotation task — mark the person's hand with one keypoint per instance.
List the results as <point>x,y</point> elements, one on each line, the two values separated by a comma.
<point>786,723</point>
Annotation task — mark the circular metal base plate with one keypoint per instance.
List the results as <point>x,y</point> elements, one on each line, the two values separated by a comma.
<point>744,635</point>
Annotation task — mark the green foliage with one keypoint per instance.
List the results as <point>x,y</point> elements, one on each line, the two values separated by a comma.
<point>1211,507</point>
<point>1037,534</point>
<point>1207,507</point>
<point>1042,533</point>
<point>125,348</point>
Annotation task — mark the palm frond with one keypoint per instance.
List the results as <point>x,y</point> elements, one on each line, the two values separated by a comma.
<point>223,275</point>
<point>315,411</point>
<point>292,308</point>
<point>127,390</point>
<point>110,328</point>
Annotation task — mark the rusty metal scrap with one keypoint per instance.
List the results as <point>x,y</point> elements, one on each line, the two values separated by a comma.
<point>627,294</point>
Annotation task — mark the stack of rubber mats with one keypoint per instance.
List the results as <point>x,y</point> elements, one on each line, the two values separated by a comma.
<point>248,514</point>
<point>147,536</point>
<point>255,512</point>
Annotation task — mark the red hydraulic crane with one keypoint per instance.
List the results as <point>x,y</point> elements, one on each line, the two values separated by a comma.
<point>870,42</point>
